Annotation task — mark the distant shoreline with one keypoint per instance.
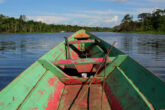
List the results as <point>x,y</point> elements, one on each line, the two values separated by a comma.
<point>143,32</point>
<point>27,32</point>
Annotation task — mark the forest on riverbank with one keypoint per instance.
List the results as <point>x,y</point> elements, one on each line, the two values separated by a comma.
<point>21,25</point>
<point>146,23</point>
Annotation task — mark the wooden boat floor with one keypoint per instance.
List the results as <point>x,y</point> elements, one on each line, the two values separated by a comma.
<point>72,98</point>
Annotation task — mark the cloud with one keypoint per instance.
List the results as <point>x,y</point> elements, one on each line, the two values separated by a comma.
<point>105,21</point>
<point>157,1</point>
<point>105,12</point>
<point>109,20</point>
<point>78,19</point>
<point>134,11</point>
<point>115,0</point>
<point>144,10</point>
<point>121,0</point>
<point>1,1</point>
<point>93,20</point>
<point>48,19</point>
<point>101,18</point>
<point>100,22</point>
<point>137,3</point>
<point>85,15</point>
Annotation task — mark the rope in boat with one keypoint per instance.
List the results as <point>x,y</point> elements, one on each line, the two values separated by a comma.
<point>103,63</point>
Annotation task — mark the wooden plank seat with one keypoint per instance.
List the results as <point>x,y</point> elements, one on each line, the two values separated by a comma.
<point>82,61</point>
<point>81,41</point>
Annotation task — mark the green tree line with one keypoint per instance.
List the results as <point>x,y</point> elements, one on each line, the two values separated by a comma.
<point>21,25</point>
<point>154,21</point>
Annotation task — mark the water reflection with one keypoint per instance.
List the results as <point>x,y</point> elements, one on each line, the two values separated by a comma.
<point>7,45</point>
<point>18,51</point>
<point>154,46</point>
<point>127,44</point>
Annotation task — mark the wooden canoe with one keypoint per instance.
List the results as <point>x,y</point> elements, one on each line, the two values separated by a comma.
<point>80,74</point>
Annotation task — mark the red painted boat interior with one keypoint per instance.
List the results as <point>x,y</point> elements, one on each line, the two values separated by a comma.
<point>72,97</point>
<point>78,51</point>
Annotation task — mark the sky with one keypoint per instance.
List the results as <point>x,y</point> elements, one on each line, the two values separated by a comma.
<point>102,13</point>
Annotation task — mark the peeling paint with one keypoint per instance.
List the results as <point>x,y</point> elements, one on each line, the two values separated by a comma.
<point>35,108</point>
<point>77,81</point>
<point>41,92</point>
<point>51,81</point>
<point>81,41</point>
<point>114,102</point>
<point>54,97</point>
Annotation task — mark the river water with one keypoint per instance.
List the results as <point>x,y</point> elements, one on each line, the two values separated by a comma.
<point>18,51</point>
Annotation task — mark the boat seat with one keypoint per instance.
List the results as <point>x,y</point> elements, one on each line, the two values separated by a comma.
<point>81,41</point>
<point>82,61</point>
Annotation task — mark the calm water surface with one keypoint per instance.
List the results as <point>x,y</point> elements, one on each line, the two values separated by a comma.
<point>18,51</point>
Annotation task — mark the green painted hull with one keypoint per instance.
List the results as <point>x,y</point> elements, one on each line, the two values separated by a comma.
<point>54,81</point>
